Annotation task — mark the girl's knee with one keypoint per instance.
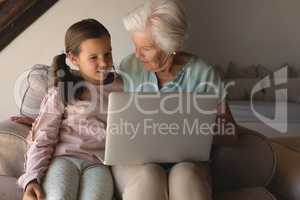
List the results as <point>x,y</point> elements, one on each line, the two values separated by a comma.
<point>99,174</point>
<point>62,166</point>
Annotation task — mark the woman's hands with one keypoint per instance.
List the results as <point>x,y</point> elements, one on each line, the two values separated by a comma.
<point>33,191</point>
<point>22,120</point>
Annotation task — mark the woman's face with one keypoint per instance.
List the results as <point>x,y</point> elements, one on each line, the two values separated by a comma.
<point>94,58</point>
<point>147,51</point>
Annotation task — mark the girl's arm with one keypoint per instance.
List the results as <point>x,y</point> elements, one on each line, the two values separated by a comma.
<point>44,137</point>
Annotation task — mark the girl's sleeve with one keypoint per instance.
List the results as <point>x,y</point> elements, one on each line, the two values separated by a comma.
<point>44,137</point>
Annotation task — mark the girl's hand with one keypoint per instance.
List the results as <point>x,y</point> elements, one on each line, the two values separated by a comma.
<point>22,120</point>
<point>33,192</point>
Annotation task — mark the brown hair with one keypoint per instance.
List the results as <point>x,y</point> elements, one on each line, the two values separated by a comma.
<point>75,35</point>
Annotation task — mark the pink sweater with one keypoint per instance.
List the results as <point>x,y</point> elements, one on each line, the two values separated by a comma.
<point>77,130</point>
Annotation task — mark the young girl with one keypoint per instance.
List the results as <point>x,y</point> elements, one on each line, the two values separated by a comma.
<point>64,158</point>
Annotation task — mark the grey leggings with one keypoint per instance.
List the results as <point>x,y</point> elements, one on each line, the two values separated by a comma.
<point>70,178</point>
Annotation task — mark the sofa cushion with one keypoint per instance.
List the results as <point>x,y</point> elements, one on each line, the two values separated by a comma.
<point>241,90</point>
<point>36,86</point>
<point>285,183</point>
<point>231,169</point>
<point>234,71</point>
<point>293,92</point>
<point>9,189</point>
<point>291,70</point>
<point>12,148</point>
<point>258,193</point>
<point>246,78</point>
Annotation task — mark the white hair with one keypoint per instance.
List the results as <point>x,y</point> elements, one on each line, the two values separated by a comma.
<point>164,18</point>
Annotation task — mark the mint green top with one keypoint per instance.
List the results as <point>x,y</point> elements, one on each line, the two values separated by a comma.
<point>195,76</point>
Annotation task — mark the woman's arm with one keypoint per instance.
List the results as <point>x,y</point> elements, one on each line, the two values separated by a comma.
<point>226,129</point>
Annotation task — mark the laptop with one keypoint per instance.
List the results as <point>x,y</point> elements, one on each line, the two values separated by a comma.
<point>159,128</point>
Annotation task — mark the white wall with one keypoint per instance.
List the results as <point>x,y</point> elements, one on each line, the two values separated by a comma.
<point>248,32</point>
<point>245,31</point>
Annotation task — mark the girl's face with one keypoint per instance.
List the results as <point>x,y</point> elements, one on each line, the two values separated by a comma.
<point>147,52</point>
<point>94,58</point>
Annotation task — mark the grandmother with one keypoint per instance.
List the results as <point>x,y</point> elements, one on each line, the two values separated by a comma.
<point>159,29</point>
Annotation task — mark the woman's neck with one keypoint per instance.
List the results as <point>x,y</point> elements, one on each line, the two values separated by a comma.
<point>172,68</point>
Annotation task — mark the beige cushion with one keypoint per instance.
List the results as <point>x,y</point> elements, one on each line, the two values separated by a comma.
<point>245,79</point>
<point>242,89</point>
<point>234,71</point>
<point>13,147</point>
<point>9,189</point>
<point>292,89</point>
<point>292,72</point>
<point>285,183</point>
<point>36,87</point>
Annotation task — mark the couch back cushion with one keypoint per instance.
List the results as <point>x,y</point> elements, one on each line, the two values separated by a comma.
<point>38,81</point>
<point>246,78</point>
<point>36,87</point>
<point>241,89</point>
<point>293,92</point>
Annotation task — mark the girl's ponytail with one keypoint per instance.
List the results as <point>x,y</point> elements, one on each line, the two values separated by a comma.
<point>64,78</point>
<point>60,69</point>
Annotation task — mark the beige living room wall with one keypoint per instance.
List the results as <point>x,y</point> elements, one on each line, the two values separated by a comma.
<point>247,32</point>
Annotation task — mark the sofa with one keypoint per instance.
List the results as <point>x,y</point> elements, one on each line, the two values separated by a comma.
<point>253,168</point>
<point>248,111</point>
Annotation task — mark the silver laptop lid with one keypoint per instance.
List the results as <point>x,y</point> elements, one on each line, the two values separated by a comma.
<point>156,127</point>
